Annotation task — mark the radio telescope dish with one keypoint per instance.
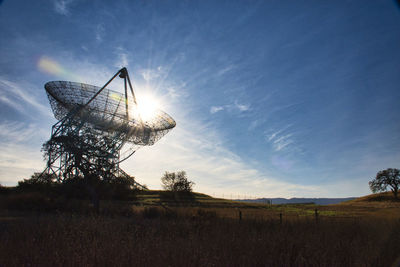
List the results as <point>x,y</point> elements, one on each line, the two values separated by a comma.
<point>107,112</point>
<point>94,124</point>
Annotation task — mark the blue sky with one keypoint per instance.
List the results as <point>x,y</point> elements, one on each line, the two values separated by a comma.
<point>271,98</point>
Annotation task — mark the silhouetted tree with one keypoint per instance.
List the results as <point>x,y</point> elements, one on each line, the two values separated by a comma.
<point>176,182</point>
<point>384,179</point>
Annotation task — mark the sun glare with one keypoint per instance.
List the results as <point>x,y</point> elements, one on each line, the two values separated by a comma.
<point>147,106</point>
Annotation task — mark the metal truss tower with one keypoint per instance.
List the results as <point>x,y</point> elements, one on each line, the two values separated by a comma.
<point>94,125</point>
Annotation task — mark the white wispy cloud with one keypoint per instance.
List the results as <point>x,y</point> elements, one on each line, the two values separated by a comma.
<point>20,150</point>
<point>280,139</point>
<point>231,108</point>
<point>18,132</point>
<point>215,109</point>
<point>158,77</point>
<point>61,6</point>
<point>226,70</point>
<point>172,93</point>
<point>100,32</point>
<point>10,103</point>
<point>273,135</point>
<point>282,142</point>
<point>242,107</point>
<point>151,74</point>
<point>18,97</point>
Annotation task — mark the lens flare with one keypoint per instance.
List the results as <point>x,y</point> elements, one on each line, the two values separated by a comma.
<point>50,66</point>
<point>116,97</point>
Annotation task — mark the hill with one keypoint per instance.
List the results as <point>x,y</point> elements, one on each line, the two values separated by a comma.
<point>159,197</point>
<point>317,201</point>
<point>379,197</point>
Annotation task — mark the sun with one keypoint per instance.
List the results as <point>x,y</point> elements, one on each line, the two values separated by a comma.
<point>147,106</point>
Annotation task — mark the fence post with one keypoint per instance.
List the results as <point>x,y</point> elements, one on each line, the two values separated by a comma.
<point>240,215</point>
<point>316,215</point>
<point>280,218</point>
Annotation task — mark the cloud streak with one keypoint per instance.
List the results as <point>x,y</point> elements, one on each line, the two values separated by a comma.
<point>242,107</point>
<point>225,70</point>
<point>231,107</point>
<point>100,32</point>
<point>215,109</point>
<point>151,74</point>
<point>61,7</point>
<point>13,94</point>
<point>21,156</point>
<point>280,139</point>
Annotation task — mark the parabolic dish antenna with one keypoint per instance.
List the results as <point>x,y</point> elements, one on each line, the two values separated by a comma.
<point>94,124</point>
<point>107,111</point>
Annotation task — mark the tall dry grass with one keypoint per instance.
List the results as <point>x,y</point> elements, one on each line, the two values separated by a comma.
<point>195,237</point>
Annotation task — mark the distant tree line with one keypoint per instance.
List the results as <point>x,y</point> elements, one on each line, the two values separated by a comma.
<point>122,187</point>
<point>78,187</point>
<point>45,191</point>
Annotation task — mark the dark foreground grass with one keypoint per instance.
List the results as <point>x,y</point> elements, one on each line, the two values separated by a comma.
<point>153,238</point>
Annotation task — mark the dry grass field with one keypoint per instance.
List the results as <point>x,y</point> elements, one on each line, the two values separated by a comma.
<point>155,231</point>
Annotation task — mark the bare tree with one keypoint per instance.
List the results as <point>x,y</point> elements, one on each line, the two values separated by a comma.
<point>384,179</point>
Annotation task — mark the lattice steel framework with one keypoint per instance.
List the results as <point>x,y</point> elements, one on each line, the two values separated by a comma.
<point>94,125</point>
